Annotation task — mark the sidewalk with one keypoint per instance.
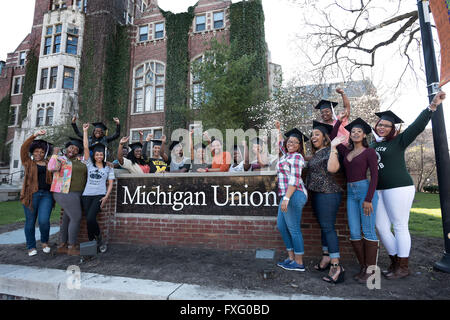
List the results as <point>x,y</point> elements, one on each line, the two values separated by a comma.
<point>53,284</point>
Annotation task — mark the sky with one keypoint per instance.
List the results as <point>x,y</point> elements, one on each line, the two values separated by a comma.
<point>282,26</point>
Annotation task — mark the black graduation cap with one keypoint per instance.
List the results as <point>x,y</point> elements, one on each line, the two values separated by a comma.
<point>359,123</point>
<point>135,145</point>
<point>77,143</point>
<point>41,144</point>
<point>98,147</point>
<point>389,116</point>
<point>100,125</point>
<point>297,134</point>
<point>323,104</point>
<point>156,142</point>
<point>325,128</point>
<point>173,144</point>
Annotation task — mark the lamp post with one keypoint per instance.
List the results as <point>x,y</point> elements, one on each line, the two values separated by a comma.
<point>439,133</point>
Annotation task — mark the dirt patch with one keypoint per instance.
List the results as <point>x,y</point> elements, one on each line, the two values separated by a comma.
<point>241,270</point>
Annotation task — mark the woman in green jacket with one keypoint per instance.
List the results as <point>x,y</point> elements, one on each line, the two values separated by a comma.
<point>395,186</point>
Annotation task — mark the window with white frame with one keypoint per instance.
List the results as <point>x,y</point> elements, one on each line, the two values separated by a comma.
<point>44,79</point>
<point>18,85</point>
<point>82,5</point>
<point>149,92</point>
<point>197,85</point>
<point>72,42</point>
<point>22,58</point>
<point>157,134</point>
<point>53,77</point>
<point>218,18</point>
<point>52,40</point>
<point>200,23</point>
<point>68,78</point>
<point>159,30</point>
<point>13,112</point>
<point>44,114</point>
<point>143,33</point>
<point>57,39</point>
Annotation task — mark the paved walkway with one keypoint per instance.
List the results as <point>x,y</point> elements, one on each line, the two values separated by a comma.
<point>18,236</point>
<point>53,284</point>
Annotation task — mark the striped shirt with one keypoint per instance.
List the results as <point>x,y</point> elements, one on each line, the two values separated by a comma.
<point>289,173</point>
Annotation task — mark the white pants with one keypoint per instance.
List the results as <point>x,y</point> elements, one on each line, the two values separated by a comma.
<point>393,209</point>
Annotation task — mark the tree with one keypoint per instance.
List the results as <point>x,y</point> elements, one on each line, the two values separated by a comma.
<point>346,36</point>
<point>225,89</point>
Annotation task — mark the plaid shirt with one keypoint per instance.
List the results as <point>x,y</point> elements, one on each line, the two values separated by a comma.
<point>290,168</point>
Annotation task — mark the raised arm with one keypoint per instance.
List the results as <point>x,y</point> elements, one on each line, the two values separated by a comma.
<point>54,164</point>
<point>24,157</point>
<point>346,102</point>
<point>247,164</point>
<point>117,134</point>
<point>120,149</point>
<point>191,144</point>
<point>75,128</point>
<point>86,141</point>
<point>163,151</point>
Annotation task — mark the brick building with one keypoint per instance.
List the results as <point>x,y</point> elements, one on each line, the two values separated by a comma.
<point>71,42</point>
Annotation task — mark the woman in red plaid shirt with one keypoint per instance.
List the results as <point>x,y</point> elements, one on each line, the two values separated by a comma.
<point>293,191</point>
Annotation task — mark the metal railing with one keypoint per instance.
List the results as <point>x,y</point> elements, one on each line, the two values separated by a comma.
<point>8,179</point>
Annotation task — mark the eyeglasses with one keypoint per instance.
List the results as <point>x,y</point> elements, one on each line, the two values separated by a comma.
<point>292,142</point>
<point>384,125</point>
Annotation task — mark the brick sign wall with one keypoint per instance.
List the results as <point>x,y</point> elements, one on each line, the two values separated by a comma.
<point>231,228</point>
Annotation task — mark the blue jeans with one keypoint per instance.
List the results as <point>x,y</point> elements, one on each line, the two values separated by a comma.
<point>42,208</point>
<point>325,207</point>
<point>356,193</point>
<point>288,223</point>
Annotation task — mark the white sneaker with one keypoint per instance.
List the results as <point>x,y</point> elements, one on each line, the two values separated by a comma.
<point>46,249</point>
<point>32,252</point>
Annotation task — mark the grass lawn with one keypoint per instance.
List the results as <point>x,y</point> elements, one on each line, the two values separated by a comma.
<point>12,212</point>
<point>425,219</point>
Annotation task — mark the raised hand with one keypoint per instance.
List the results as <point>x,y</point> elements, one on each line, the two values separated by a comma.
<point>337,141</point>
<point>85,126</point>
<point>437,100</point>
<point>74,119</point>
<point>340,91</point>
<point>40,133</point>
<point>124,140</point>
<point>149,137</point>
<point>116,120</point>
<point>163,139</point>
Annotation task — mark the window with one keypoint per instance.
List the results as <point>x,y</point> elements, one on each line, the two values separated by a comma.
<point>157,134</point>
<point>57,44</point>
<point>149,91</point>
<point>69,76</point>
<point>72,44</point>
<point>22,57</point>
<point>47,45</point>
<point>18,85</point>
<point>85,6</point>
<point>200,23</point>
<point>44,79</point>
<point>40,117</point>
<point>49,31</point>
<point>197,86</point>
<point>58,28</point>
<point>53,77</point>
<point>143,33</point>
<point>13,111</point>
<point>49,117</point>
<point>218,20</point>
<point>159,30</point>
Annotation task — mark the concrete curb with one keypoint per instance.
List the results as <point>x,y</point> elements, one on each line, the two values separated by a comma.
<point>53,284</point>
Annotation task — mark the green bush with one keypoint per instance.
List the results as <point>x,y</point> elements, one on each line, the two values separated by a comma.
<point>431,189</point>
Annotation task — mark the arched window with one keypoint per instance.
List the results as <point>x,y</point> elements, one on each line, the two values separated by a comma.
<point>49,117</point>
<point>40,117</point>
<point>149,80</point>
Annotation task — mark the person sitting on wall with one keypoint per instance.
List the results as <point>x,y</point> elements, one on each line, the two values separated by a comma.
<point>99,135</point>
<point>240,162</point>
<point>158,159</point>
<point>262,161</point>
<point>134,162</point>
<point>221,159</point>
<point>178,163</point>
<point>116,163</point>
<point>198,154</point>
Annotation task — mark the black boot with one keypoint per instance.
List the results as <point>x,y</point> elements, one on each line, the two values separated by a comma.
<point>101,246</point>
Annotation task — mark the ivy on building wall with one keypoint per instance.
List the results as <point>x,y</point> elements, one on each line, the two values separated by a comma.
<point>177,68</point>
<point>29,87</point>
<point>4,120</point>
<point>247,31</point>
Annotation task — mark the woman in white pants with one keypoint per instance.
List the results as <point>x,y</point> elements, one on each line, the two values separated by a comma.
<point>395,186</point>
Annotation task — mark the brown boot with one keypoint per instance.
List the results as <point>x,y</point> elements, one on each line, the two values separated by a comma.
<point>371,255</point>
<point>402,270</point>
<point>62,248</point>
<point>358,247</point>
<point>73,250</point>
<point>392,267</point>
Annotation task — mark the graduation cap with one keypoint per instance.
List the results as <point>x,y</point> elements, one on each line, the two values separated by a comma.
<point>135,145</point>
<point>100,125</point>
<point>297,134</point>
<point>323,127</point>
<point>389,116</point>
<point>77,143</point>
<point>359,123</point>
<point>156,142</point>
<point>173,145</point>
<point>323,104</point>
<point>41,144</point>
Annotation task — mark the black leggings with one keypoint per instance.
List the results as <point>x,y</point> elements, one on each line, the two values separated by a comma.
<point>91,206</point>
